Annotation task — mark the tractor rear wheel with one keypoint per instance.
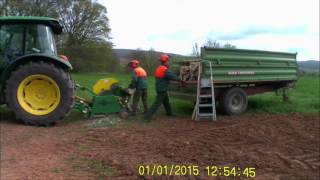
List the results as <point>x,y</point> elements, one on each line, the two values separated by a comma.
<point>40,93</point>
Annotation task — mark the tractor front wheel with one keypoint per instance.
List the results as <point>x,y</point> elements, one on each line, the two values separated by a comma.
<point>40,93</point>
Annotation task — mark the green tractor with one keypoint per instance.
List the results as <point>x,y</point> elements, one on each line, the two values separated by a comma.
<point>34,81</point>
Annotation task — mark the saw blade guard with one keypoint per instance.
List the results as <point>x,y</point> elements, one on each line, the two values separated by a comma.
<point>104,85</point>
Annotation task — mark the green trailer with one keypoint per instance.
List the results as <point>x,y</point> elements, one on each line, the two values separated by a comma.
<point>237,73</point>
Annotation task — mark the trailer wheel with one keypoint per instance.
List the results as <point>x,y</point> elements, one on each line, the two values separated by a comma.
<point>234,101</point>
<point>40,93</point>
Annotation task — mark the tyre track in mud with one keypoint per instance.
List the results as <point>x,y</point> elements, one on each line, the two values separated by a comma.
<point>29,152</point>
<point>276,145</point>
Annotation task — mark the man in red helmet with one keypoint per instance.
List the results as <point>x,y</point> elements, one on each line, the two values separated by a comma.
<point>163,77</point>
<point>139,83</point>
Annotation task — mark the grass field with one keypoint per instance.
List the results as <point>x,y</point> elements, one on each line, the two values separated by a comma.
<point>277,145</point>
<point>304,97</point>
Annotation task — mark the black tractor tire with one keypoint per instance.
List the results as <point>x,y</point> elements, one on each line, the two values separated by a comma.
<point>234,101</point>
<point>62,80</point>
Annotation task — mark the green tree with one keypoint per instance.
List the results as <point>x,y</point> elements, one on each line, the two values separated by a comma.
<point>229,46</point>
<point>91,57</point>
<point>138,54</point>
<point>86,29</point>
<point>195,50</point>
<point>215,44</point>
<point>151,60</point>
<point>31,8</point>
<point>83,21</point>
<point>148,59</point>
<point>212,43</point>
<point>3,8</point>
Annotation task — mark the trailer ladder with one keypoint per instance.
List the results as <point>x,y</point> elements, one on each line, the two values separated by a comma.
<point>205,107</point>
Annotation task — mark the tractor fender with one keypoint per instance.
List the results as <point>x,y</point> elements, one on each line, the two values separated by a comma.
<point>33,58</point>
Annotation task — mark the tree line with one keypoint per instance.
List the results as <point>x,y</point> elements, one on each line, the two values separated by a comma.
<point>212,44</point>
<point>149,59</point>
<point>85,39</point>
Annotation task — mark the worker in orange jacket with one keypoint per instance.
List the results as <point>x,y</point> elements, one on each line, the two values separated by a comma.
<point>139,83</point>
<point>163,77</point>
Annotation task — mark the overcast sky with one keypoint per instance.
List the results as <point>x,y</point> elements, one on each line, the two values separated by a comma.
<point>175,25</point>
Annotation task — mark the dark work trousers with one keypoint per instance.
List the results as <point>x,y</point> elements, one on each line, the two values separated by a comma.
<point>143,93</point>
<point>162,98</point>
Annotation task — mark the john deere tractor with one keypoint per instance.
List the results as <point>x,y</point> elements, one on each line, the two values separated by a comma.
<point>34,81</point>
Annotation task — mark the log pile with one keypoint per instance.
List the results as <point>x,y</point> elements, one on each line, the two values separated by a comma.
<point>189,71</point>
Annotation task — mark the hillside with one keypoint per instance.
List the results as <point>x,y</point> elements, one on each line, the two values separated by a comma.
<point>124,55</point>
<point>310,66</point>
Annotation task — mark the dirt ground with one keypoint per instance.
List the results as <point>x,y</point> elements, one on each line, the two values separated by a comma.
<point>277,146</point>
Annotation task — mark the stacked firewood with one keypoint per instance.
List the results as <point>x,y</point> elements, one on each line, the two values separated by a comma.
<point>189,71</point>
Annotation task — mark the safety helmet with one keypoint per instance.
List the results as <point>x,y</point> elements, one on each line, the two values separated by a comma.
<point>134,63</point>
<point>164,58</point>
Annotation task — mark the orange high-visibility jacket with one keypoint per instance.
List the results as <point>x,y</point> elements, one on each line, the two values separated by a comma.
<point>139,78</point>
<point>163,77</point>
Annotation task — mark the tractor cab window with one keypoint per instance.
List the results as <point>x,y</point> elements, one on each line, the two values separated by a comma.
<point>11,41</point>
<point>39,39</point>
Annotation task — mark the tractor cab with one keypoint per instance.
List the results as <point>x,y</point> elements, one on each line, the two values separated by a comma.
<point>22,36</point>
